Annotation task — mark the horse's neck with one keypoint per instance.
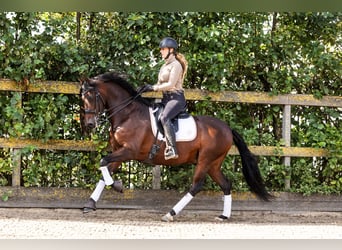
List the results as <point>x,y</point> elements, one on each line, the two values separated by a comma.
<point>135,111</point>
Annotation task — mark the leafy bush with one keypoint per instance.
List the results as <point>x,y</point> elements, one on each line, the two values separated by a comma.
<point>225,51</point>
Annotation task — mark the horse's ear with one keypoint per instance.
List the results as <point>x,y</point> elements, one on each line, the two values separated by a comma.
<point>84,82</point>
<point>83,79</point>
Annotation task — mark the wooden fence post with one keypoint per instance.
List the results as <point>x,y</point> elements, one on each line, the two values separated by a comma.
<point>16,167</point>
<point>16,153</point>
<point>286,133</point>
<point>156,170</point>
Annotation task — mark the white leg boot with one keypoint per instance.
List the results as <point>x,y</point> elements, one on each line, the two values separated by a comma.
<point>227,208</point>
<point>178,207</point>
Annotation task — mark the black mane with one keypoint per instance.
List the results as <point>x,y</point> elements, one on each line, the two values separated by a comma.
<point>118,79</point>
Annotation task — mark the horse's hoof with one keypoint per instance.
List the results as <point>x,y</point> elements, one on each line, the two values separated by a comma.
<point>89,206</point>
<point>103,162</point>
<point>117,186</point>
<point>88,209</point>
<point>167,218</point>
<point>221,218</point>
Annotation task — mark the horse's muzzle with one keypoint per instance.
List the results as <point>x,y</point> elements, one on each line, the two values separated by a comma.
<point>90,122</point>
<point>91,125</point>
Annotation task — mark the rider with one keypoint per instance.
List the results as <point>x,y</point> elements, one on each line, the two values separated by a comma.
<point>170,82</point>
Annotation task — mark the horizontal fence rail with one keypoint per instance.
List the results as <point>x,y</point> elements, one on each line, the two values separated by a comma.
<point>81,145</point>
<point>286,100</point>
<point>191,94</point>
<point>41,87</point>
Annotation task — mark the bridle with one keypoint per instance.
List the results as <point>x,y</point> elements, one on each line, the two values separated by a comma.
<point>111,111</point>
<point>96,111</point>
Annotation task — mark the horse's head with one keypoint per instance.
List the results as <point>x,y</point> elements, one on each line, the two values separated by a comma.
<point>108,94</point>
<point>93,104</point>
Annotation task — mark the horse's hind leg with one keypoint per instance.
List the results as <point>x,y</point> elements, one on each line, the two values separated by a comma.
<point>218,177</point>
<point>197,183</point>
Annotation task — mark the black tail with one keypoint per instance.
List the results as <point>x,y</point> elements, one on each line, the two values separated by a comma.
<point>250,169</point>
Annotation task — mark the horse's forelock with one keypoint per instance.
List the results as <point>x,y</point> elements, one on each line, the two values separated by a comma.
<point>87,84</point>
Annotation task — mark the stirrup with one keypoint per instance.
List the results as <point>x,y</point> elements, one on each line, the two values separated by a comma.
<point>170,153</point>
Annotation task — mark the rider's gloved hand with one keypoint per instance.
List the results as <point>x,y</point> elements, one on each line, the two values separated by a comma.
<point>145,88</point>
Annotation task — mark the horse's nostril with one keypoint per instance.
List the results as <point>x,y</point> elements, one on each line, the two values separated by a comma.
<point>91,125</point>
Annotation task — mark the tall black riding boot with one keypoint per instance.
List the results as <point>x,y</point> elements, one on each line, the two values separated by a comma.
<point>171,149</point>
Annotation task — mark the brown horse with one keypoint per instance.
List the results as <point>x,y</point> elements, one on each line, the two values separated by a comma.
<point>131,138</point>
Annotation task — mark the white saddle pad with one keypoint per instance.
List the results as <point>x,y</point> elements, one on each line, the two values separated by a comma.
<point>187,129</point>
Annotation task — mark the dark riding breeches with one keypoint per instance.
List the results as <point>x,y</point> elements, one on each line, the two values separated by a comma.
<point>174,104</point>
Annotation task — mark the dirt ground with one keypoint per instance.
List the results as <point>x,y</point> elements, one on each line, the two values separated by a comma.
<point>146,224</point>
<point>116,215</point>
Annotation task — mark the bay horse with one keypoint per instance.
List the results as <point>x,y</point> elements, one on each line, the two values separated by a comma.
<point>131,138</point>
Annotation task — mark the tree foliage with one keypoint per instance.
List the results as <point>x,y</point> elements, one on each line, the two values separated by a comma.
<point>268,52</point>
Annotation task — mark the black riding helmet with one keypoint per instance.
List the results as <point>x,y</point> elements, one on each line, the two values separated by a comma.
<point>168,42</point>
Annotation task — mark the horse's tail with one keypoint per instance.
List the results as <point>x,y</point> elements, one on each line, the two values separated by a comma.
<point>250,169</point>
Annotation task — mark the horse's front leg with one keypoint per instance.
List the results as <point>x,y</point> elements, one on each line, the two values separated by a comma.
<point>107,172</point>
<point>106,180</point>
<point>108,165</point>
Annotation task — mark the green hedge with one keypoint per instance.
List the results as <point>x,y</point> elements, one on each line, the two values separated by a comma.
<point>268,52</point>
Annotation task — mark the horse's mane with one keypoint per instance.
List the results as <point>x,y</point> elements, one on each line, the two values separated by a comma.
<point>119,79</point>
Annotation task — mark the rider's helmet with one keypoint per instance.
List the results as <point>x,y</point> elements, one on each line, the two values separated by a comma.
<point>168,42</point>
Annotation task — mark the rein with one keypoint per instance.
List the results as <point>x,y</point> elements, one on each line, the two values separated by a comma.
<point>118,108</point>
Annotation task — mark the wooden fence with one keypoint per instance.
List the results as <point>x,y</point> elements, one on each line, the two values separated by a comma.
<point>286,101</point>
